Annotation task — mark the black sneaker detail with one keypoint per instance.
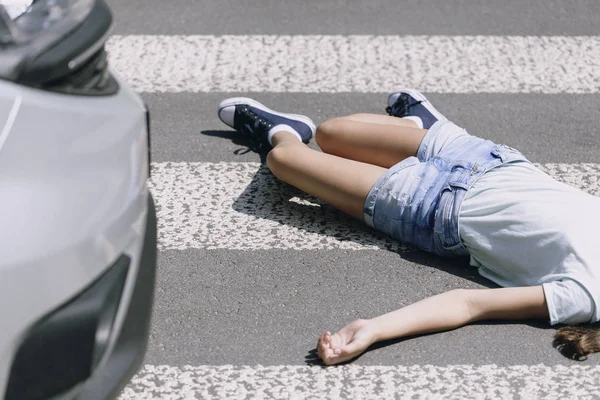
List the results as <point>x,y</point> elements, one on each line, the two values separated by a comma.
<point>402,106</point>
<point>253,126</point>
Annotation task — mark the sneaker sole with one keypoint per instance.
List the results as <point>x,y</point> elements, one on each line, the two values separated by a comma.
<point>253,103</point>
<point>419,97</point>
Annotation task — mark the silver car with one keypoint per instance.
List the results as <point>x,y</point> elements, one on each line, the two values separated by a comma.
<point>77,223</point>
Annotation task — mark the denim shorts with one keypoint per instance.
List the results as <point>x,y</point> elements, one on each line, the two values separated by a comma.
<point>418,200</point>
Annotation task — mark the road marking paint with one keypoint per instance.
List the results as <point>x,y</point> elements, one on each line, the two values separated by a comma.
<point>242,206</point>
<point>364,382</point>
<point>358,63</point>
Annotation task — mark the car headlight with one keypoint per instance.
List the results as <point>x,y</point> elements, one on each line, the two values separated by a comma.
<point>27,18</point>
<point>56,45</point>
<point>15,8</point>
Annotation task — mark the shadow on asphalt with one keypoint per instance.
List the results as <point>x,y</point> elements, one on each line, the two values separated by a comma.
<point>268,198</point>
<point>236,139</point>
<point>233,136</point>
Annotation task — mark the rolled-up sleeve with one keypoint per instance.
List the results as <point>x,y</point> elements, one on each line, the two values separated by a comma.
<point>568,302</point>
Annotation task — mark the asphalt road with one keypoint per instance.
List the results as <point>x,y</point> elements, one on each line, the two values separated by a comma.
<point>346,17</point>
<point>219,307</point>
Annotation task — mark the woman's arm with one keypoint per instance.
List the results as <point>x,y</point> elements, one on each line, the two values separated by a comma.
<point>456,308</point>
<point>445,311</point>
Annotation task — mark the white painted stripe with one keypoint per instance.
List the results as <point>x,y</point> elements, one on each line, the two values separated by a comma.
<point>243,206</point>
<point>364,382</point>
<point>359,63</point>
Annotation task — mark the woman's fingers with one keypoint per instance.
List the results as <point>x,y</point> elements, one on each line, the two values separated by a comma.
<point>345,344</point>
<point>333,350</point>
<point>321,346</point>
<point>324,345</point>
<point>326,350</point>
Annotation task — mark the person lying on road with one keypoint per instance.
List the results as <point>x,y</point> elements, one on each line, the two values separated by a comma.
<point>423,180</point>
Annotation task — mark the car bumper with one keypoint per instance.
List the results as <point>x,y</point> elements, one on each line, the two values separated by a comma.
<point>130,346</point>
<point>57,356</point>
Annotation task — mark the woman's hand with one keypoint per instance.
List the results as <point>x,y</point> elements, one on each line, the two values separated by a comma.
<point>347,343</point>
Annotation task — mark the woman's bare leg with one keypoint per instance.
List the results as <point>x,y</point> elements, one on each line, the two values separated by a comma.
<point>357,150</point>
<point>340,182</point>
<point>380,119</point>
<point>370,138</point>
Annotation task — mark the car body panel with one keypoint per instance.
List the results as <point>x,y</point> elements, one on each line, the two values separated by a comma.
<point>73,197</point>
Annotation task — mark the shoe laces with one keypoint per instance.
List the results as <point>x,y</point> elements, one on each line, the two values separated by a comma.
<point>254,127</point>
<point>401,106</point>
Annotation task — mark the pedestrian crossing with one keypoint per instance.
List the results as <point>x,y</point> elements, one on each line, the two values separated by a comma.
<point>360,382</point>
<point>240,208</point>
<point>358,63</point>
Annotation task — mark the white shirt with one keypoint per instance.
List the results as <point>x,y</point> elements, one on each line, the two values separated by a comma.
<point>523,228</point>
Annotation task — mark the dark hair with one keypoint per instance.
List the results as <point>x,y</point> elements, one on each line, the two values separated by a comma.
<point>576,342</point>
